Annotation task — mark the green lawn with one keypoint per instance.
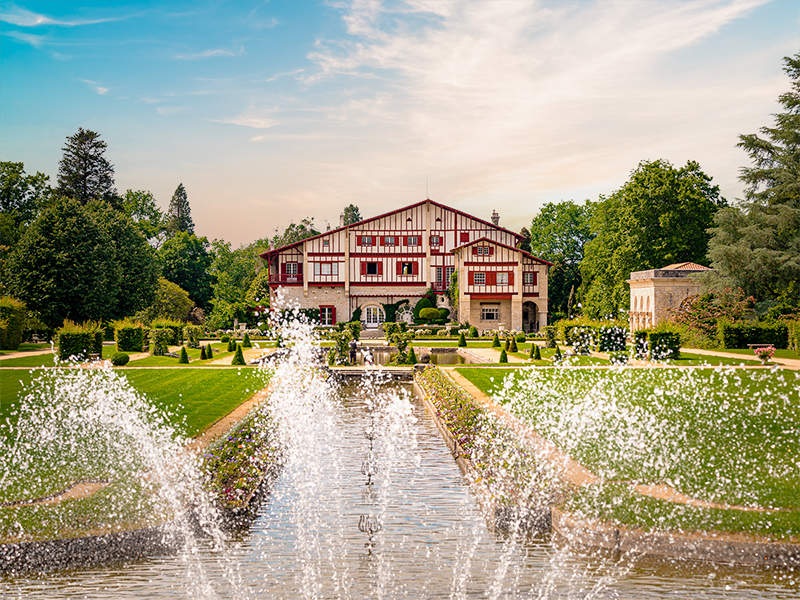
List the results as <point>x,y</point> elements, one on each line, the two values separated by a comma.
<point>26,348</point>
<point>44,360</point>
<point>90,424</point>
<point>721,435</point>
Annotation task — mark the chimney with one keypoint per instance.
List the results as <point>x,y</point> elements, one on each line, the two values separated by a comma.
<point>495,218</point>
<point>341,219</point>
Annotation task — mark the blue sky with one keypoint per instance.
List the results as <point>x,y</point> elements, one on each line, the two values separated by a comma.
<point>268,112</point>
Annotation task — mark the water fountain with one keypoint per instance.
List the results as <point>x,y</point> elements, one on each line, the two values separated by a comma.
<point>425,535</point>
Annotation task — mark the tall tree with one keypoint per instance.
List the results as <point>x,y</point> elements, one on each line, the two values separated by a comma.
<point>84,173</point>
<point>21,198</point>
<point>179,214</point>
<point>294,233</point>
<point>757,243</point>
<point>351,215</point>
<point>186,261</point>
<point>141,207</point>
<point>525,244</point>
<point>659,216</point>
<point>559,234</point>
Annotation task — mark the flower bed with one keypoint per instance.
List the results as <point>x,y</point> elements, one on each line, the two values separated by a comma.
<point>238,463</point>
<point>509,470</point>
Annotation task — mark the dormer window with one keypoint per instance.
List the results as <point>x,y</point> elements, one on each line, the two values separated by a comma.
<point>483,250</point>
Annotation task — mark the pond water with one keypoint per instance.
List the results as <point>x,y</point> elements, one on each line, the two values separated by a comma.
<point>382,356</point>
<point>433,543</point>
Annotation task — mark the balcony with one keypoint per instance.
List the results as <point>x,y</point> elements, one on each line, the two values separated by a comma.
<point>439,286</point>
<point>283,278</point>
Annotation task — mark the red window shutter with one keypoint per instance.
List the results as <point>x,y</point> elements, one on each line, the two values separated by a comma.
<point>464,237</point>
<point>535,278</point>
<point>491,278</point>
<point>491,251</point>
<point>383,240</point>
<point>399,268</point>
<point>511,278</point>
<point>415,268</point>
<point>405,240</point>
<point>474,251</point>
<point>471,278</point>
<point>363,268</point>
<point>359,240</point>
<point>333,315</point>
<point>299,268</point>
<point>380,268</point>
<point>283,268</point>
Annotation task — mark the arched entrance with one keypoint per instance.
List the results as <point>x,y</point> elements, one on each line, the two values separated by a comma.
<point>373,316</point>
<point>530,317</point>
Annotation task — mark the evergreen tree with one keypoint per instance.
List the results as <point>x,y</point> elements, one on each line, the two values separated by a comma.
<point>351,215</point>
<point>503,356</point>
<point>179,215</point>
<point>757,244</point>
<point>412,357</point>
<point>246,341</point>
<point>238,357</point>
<point>203,353</point>
<point>496,341</point>
<point>183,359</point>
<point>514,347</point>
<point>462,341</point>
<point>84,173</point>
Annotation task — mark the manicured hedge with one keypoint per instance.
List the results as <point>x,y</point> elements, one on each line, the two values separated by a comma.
<point>159,340</point>
<point>664,345</point>
<point>130,336</point>
<point>738,335</point>
<point>79,341</point>
<point>611,338</point>
<point>12,322</point>
<point>174,327</point>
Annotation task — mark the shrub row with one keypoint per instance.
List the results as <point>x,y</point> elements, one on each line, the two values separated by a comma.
<point>78,341</point>
<point>129,336</point>
<point>657,344</point>
<point>12,322</point>
<point>738,335</point>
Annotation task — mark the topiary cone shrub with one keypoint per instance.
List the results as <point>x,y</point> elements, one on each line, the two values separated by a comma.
<point>246,341</point>
<point>495,341</point>
<point>203,353</point>
<point>462,341</point>
<point>514,347</point>
<point>231,345</point>
<point>507,345</point>
<point>537,354</point>
<point>238,357</point>
<point>557,356</point>
<point>412,357</point>
<point>183,359</point>
<point>503,356</point>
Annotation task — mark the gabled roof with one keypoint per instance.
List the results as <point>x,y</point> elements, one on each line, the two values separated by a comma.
<point>486,240</point>
<point>269,253</point>
<point>686,266</point>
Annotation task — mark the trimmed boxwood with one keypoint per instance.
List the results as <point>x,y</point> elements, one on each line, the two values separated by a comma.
<point>739,335</point>
<point>611,338</point>
<point>120,359</point>
<point>129,336</point>
<point>79,340</point>
<point>238,357</point>
<point>664,345</point>
<point>12,322</point>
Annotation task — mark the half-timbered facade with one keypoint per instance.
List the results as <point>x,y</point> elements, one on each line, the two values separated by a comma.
<point>399,255</point>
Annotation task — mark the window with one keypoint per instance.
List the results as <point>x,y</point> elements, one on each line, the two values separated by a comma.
<point>448,271</point>
<point>291,268</point>
<point>436,240</point>
<point>439,274</point>
<point>372,268</point>
<point>389,241</point>
<point>480,278</point>
<point>407,268</point>
<point>490,313</point>
<point>326,243</point>
<point>326,268</point>
<point>366,240</point>
<point>412,240</point>
<point>502,279</point>
<point>327,315</point>
<point>483,250</point>
<point>529,278</point>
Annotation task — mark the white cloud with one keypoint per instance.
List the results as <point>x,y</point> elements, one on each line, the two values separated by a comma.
<point>25,18</point>
<point>205,54</point>
<point>170,110</point>
<point>96,87</point>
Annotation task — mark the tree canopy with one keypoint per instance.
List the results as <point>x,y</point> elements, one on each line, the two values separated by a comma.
<point>185,261</point>
<point>294,233</point>
<point>141,207</point>
<point>21,198</point>
<point>81,263</point>
<point>757,244</point>
<point>659,216</point>
<point>179,214</point>
<point>351,215</point>
<point>84,173</point>
<point>558,234</point>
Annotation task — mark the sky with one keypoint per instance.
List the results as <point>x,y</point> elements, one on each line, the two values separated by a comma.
<point>269,112</point>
